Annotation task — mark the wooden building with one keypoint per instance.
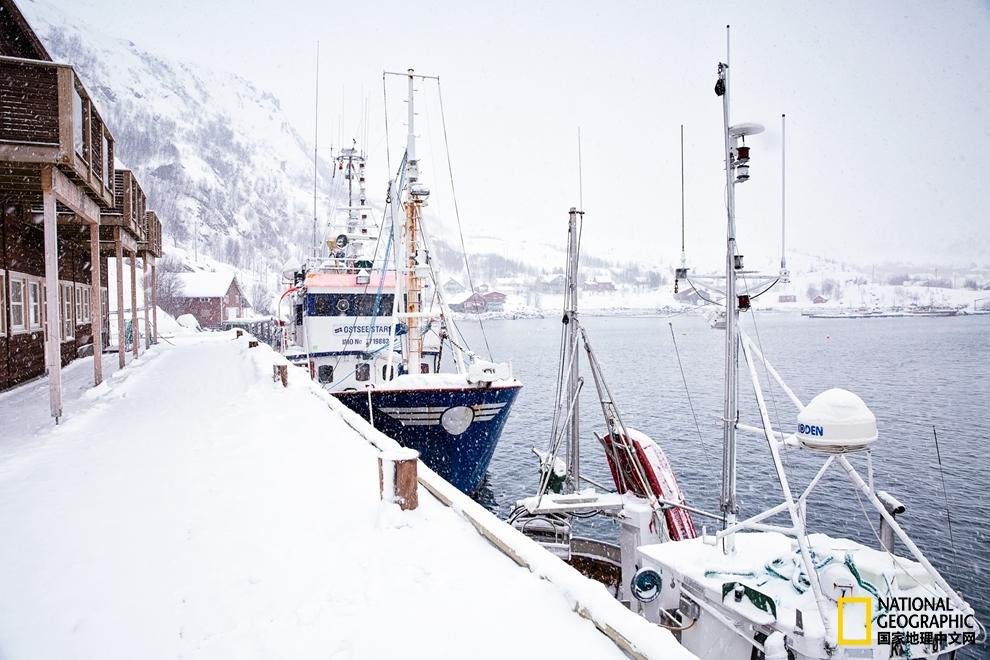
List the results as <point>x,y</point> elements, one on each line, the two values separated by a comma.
<point>58,185</point>
<point>212,298</point>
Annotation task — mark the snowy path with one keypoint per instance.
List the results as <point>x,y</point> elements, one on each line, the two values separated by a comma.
<point>198,511</point>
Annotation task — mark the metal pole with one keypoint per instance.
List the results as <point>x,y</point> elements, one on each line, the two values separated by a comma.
<point>571,353</point>
<point>730,413</point>
<point>316,141</point>
<point>783,205</point>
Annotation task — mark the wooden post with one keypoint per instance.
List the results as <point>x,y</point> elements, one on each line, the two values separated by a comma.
<point>154,295</point>
<point>281,372</point>
<point>53,344</point>
<point>135,328</point>
<point>144,293</point>
<point>96,301</point>
<point>397,479</point>
<point>119,253</point>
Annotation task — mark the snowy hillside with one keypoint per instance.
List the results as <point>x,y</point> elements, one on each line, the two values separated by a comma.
<point>215,154</point>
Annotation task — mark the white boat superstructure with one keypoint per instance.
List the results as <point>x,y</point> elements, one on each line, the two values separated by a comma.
<point>765,586</point>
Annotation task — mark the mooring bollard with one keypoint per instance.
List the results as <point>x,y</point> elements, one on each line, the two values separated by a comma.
<point>397,481</point>
<point>281,372</point>
<point>253,343</point>
<point>239,333</point>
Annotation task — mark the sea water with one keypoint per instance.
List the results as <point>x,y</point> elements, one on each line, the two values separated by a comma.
<point>913,373</point>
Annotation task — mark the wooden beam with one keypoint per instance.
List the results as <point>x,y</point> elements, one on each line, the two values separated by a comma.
<point>28,153</point>
<point>66,134</point>
<point>154,295</point>
<point>53,346</point>
<point>72,196</point>
<point>119,250</point>
<point>135,328</point>
<point>96,302</point>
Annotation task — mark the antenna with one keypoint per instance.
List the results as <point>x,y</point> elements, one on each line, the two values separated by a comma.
<point>580,175</point>
<point>784,274</point>
<point>316,142</point>
<point>683,256</point>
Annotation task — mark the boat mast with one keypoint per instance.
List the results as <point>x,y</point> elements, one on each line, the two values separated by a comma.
<point>571,353</point>
<point>730,414</point>
<point>412,204</point>
<point>683,254</point>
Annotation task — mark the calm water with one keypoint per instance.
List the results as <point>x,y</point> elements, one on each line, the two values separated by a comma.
<point>913,373</point>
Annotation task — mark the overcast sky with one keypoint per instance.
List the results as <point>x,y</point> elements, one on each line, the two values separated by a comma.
<point>888,143</point>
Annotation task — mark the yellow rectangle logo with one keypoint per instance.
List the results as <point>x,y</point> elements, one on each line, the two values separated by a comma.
<point>861,610</point>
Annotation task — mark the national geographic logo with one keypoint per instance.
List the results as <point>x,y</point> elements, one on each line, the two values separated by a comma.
<point>904,620</point>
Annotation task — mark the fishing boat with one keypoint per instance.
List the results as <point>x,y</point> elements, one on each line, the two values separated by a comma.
<point>764,585</point>
<point>372,325</point>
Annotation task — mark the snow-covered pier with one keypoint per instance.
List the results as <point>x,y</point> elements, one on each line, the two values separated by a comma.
<point>192,507</point>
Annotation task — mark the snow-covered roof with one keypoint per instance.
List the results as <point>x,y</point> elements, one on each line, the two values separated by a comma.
<point>205,285</point>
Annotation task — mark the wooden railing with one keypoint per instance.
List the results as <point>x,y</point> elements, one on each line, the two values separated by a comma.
<point>48,117</point>
<point>129,208</point>
<point>153,236</point>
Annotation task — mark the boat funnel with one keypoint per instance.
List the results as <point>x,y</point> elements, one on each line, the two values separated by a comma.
<point>836,422</point>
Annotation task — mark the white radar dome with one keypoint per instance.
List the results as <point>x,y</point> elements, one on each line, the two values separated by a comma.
<point>836,421</point>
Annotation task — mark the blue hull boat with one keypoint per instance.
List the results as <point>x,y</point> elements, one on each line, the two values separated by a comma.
<point>455,430</point>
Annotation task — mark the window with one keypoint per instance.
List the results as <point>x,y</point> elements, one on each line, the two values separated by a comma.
<point>424,368</point>
<point>17,320</point>
<point>87,312</point>
<point>363,371</point>
<point>3,304</point>
<point>65,298</point>
<point>333,304</point>
<point>388,374</point>
<point>326,373</point>
<point>79,305</point>
<point>34,304</point>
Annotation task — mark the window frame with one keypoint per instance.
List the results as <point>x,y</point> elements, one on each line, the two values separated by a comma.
<point>67,307</point>
<point>34,317</point>
<point>22,327</point>
<point>78,304</point>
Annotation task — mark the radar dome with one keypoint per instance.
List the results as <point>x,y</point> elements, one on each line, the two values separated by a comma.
<point>836,421</point>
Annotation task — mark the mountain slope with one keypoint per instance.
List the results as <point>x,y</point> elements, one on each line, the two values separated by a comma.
<point>216,156</point>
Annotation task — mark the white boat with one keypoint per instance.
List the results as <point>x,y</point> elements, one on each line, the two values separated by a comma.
<point>763,585</point>
<point>371,324</point>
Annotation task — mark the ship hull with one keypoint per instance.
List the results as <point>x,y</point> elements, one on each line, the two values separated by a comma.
<point>455,430</point>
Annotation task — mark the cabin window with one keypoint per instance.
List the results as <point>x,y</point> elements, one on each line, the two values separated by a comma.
<point>34,304</point>
<point>334,304</point>
<point>3,304</point>
<point>299,314</point>
<point>325,373</point>
<point>363,371</point>
<point>79,130</point>
<point>424,368</point>
<point>388,374</point>
<point>17,305</point>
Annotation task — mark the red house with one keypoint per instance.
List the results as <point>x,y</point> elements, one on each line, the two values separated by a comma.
<point>212,298</point>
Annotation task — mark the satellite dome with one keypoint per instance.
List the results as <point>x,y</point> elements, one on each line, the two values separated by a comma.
<point>836,421</point>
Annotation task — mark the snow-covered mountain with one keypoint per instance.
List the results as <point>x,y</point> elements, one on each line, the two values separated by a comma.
<point>215,154</point>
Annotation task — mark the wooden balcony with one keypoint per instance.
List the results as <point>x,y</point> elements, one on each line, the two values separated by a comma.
<point>48,118</point>
<point>128,212</point>
<point>152,245</point>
